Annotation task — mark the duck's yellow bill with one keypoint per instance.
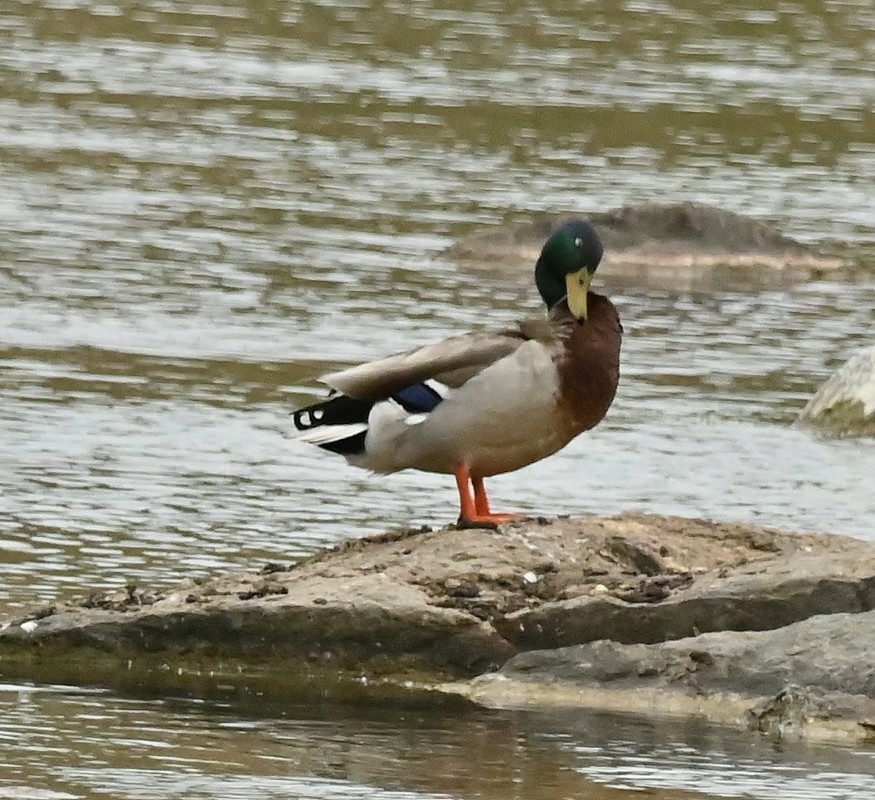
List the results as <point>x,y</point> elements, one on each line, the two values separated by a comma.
<point>577,285</point>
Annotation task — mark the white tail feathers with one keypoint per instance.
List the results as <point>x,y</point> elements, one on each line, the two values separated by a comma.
<point>330,433</point>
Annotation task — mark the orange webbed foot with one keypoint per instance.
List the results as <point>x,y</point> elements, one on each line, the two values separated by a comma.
<point>491,520</point>
<point>475,509</point>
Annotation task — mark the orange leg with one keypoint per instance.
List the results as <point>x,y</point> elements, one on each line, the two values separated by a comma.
<point>481,501</point>
<point>475,509</point>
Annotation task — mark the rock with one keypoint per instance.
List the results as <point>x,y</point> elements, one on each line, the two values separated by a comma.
<point>430,608</point>
<point>815,677</point>
<point>673,245</point>
<point>845,404</point>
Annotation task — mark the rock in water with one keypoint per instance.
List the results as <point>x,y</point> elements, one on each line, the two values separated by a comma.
<point>684,246</point>
<point>845,404</point>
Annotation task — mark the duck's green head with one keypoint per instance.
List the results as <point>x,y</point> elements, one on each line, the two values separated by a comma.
<point>566,265</point>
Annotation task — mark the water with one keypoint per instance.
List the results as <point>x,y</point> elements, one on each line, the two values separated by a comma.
<point>203,207</point>
<point>238,747</point>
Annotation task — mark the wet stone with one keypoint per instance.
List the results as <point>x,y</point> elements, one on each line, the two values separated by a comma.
<point>641,592</point>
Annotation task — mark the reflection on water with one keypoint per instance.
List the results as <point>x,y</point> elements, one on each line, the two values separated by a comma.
<point>243,747</point>
<point>698,756</point>
<point>202,207</point>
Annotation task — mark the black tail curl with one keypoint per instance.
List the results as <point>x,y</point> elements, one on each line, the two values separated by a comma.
<point>337,410</point>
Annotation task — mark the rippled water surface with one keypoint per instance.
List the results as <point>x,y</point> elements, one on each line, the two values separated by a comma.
<point>239,747</point>
<point>203,207</point>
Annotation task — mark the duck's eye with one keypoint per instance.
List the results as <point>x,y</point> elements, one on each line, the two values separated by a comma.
<point>578,241</point>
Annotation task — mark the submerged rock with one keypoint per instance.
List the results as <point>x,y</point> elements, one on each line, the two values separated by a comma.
<point>676,245</point>
<point>450,605</point>
<point>845,404</point>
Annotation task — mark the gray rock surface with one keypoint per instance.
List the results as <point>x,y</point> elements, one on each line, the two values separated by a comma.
<point>845,404</point>
<point>436,608</point>
<point>814,677</point>
<point>675,245</point>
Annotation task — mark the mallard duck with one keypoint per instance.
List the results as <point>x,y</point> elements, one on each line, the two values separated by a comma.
<point>484,403</point>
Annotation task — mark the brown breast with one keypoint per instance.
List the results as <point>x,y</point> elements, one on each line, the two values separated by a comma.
<point>589,365</point>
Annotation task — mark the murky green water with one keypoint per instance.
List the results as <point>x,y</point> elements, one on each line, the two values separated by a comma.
<point>201,207</point>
